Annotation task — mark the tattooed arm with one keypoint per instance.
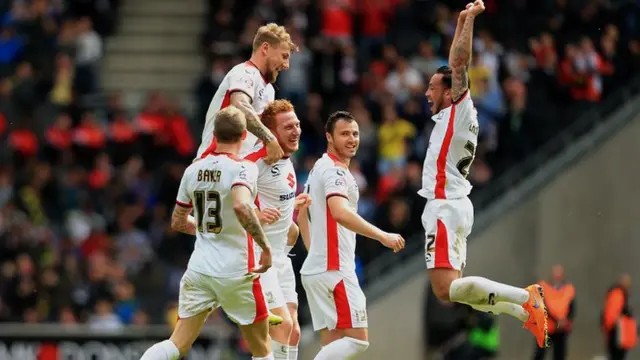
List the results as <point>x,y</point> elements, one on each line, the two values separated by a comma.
<point>247,216</point>
<point>183,222</point>
<point>243,102</point>
<point>461,58</point>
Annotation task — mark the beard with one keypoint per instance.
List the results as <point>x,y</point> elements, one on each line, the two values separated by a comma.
<point>273,76</point>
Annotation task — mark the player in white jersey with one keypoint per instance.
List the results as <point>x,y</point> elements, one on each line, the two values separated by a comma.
<point>248,86</point>
<point>448,215</point>
<point>276,201</point>
<point>222,269</point>
<point>329,227</point>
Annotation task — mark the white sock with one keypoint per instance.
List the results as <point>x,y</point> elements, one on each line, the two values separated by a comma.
<point>342,349</point>
<point>293,352</point>
<point>165,350</point>
<point>280,351</point>
<point>268,357</point>
<point>475,290</point>
<point>517,311</point>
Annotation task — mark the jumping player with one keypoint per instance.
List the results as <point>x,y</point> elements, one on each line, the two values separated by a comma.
<point>248,86</point>
<point>448,215</point>
<point>277,201</point>
<point>222,268</point>
<point>329,227</point>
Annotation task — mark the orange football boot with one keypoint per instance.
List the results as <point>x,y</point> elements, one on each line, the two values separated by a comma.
<point>538,316</point>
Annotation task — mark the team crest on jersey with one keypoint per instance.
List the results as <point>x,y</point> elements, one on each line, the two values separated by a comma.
<point>275,171</point>
<point>291,180</point>
<point>340,182</point>
<point>260,93</point>
<point>248,81</point>
<point>340,172</point>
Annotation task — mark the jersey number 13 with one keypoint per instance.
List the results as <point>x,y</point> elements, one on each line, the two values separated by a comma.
<point>210,203</point>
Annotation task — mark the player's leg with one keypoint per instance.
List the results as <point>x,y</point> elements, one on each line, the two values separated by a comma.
<point>277,305</point>
<point>294,338</point>
<point>195,302</point>
<point>244,304</point>
<point>447,224</point>
<point>347,334</point>
<point>287,280</point>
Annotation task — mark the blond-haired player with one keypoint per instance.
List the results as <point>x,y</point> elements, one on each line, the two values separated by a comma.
<point>222,269</point>
<point>448,215</point>
<point>276,201</point>
<point>248,86</point>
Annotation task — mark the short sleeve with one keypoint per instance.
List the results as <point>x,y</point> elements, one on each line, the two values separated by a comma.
<point>183,199</point>
<point>335,182</point>
<point>243,80</point>
<point>247,176</point>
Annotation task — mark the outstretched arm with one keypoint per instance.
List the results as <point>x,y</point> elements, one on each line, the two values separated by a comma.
<point>460,58</point>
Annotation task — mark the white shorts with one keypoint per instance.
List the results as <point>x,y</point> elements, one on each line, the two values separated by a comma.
<point>447,223</point>
<point>279,284</point>
<point>336,300</point>
<point>241,298</point>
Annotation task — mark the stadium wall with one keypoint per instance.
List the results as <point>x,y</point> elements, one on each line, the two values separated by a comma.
<point>585,219</point>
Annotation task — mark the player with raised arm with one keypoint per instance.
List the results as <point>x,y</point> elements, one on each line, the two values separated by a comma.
<point>329,227</point>
<point>448,215</point>
<point>222,269</point>
<point>248,86</point>
<point>276,201</point>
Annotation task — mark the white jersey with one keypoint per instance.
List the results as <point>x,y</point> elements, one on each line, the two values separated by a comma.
<point>243,77</point>
<point>333,247</point>
<point>276,190</point>
<point>223,248</point>
<point>451,151</point>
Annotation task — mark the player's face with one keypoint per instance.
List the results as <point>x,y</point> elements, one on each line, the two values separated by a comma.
<point>277,60</point>
<point>345,138</point>
<point>439,97</point>
<point>288,131</point>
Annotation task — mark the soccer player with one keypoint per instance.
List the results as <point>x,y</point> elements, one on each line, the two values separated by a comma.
<point>448,215</point>
<point>248,86</point>
<point>277,201</point>
<point>329,227</point>
<point>222,269</point>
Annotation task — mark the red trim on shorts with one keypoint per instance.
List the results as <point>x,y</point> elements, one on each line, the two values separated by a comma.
<point>441,175</point>
<point>261,305</point>
<point>343,309</point>
<point>442,247</point>
<point>185,205</point>
<point>333,249</point>
<point>257,155</point>
<point>251,254</point>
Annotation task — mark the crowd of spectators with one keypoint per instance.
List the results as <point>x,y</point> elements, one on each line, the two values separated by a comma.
<point>87,187</point>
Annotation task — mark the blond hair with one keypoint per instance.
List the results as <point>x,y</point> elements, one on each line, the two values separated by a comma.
<point>229,125</point>
<point>272,110</point>
<point>274,35</point>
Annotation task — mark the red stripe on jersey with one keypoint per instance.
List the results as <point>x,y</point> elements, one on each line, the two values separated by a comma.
<point>257,202</point>
<point>257,155</point>
<point>226,101</point>
<point>442,247</point>
<point>441,176</point>
<point>261,305</point>
<point>251,255</point>
<point>333,251</point>
<point>343,309</point>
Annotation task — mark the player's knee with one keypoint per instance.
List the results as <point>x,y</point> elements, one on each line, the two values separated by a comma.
<point>286,326</point>
<point>294,338</point>
<point>441,288</point>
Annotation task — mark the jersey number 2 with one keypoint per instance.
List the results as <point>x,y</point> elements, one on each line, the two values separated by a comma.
<point>465,163</point>
<point>213,213</point>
